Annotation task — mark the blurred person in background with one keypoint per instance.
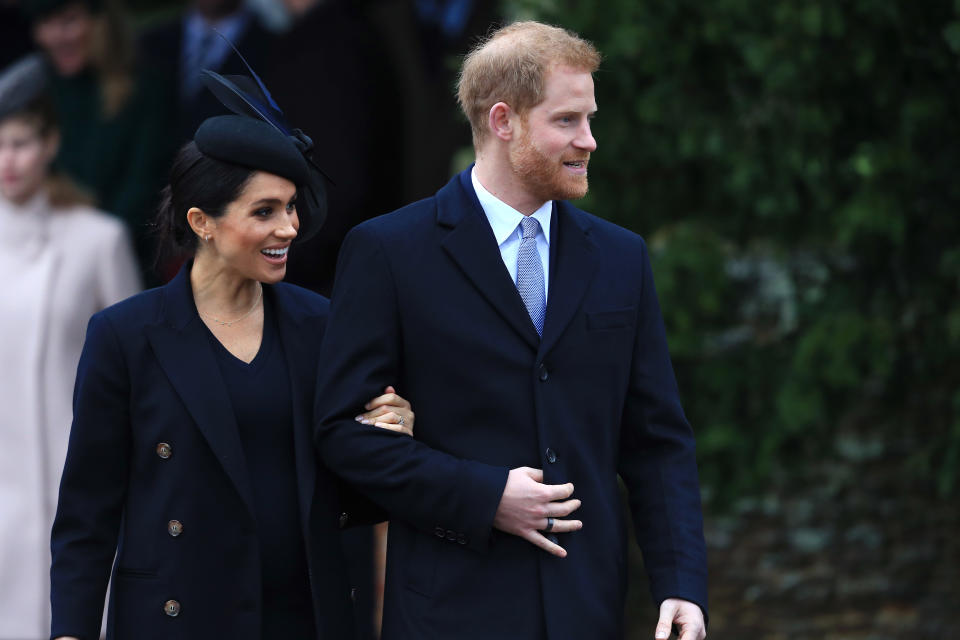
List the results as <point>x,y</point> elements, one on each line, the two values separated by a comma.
<point>63,261</point>
<point>424,39</point>
<point>114,124</point>
<point>332,73</point>
<point>179,48</point>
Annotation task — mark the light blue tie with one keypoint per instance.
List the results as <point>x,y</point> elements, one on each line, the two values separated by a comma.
<point>530,273</point>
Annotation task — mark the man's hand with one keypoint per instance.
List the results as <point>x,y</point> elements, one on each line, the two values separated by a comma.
<point>527,503</point>
<point>686,615</point>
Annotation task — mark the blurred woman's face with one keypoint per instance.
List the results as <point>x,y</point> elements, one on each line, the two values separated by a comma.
<point>25,157</point>
<point>67,37</point>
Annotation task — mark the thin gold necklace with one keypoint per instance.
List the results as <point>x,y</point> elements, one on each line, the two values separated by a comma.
<point>227,323</point>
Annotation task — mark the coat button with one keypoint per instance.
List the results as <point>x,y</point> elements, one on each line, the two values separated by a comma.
<point>354,594</point>
<point>462,539</point>
<point>551,455</point>
<point>171,608</point>
<point>544,374</point>
<point>174,528</point>
<point>451,535</point>
<point>344,520</point>
<point>164,450</point>
<point>440,532</point>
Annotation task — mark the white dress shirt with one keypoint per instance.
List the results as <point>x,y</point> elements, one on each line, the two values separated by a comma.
<point>505,222</point>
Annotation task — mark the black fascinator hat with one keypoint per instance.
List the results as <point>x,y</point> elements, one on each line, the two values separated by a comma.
<point>259,137</point>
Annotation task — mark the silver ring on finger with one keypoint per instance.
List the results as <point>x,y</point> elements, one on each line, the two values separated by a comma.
<point>400,421</point>
<point>549,526</point>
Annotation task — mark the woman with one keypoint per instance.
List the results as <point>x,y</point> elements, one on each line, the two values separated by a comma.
<point>62,261</point>
<point>115,119</point>
<point>191,456</point>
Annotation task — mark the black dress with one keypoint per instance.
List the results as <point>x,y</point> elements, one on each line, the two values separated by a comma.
<point>261,397</point>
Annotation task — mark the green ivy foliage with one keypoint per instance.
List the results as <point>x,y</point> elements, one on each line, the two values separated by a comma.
<point>792,165</point>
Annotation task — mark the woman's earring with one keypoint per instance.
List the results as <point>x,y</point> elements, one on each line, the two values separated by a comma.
<point>206,238</point>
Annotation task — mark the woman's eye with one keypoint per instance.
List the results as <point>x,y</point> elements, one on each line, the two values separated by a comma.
<point>291,207</point>
<point>264,212</point>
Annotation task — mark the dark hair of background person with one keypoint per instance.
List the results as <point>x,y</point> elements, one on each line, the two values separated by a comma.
<point>196,180</point>
<point>61,191</point>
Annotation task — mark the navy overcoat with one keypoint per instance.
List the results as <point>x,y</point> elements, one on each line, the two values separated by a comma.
<point>432,307</point>
<point>155,473</point>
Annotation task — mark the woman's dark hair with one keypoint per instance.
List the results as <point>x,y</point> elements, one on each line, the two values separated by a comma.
<point>196,180</point>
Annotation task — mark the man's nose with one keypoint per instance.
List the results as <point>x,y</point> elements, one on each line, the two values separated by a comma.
<point>585,139</point>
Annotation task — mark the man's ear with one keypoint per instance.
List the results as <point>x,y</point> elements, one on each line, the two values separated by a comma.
<point>502,121</point>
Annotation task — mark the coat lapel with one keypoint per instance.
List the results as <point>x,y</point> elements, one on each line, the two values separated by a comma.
<point>182,348</point>
<point>471,244</point>
<point>573,263</point>
<point>301,353</point>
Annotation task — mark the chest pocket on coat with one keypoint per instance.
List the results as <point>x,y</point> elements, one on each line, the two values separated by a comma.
<point>610,320</point>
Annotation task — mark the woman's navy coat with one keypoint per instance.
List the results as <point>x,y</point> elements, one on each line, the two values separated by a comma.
<point>155,472</point>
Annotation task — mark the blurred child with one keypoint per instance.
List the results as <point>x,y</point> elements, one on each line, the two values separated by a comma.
<point>61,261</point>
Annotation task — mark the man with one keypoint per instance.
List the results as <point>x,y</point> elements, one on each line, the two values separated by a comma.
<point>179,48</point>
<point>528,336</point>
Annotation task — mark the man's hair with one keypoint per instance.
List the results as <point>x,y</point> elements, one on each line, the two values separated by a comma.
<point>510,66</point>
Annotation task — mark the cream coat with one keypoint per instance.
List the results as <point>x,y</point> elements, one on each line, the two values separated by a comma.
<point>59,267</point>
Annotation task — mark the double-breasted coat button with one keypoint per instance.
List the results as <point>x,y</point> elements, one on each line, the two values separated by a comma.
<point>344,519</point>
<point>551,455</point>
<point>174,528</point>
<point>440,532</point>
<point>544,374</point>
<point>451,535</point>
<point>171,608</point>
<point>461,539</point>
<point>164,450</point>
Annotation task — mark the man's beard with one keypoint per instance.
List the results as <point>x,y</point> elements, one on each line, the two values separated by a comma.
<point>545,178</point>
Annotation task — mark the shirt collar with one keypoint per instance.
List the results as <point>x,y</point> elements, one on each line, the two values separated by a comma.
<point>503,218</point>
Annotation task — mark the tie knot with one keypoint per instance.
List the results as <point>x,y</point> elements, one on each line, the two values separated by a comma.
<point>529,226</point>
